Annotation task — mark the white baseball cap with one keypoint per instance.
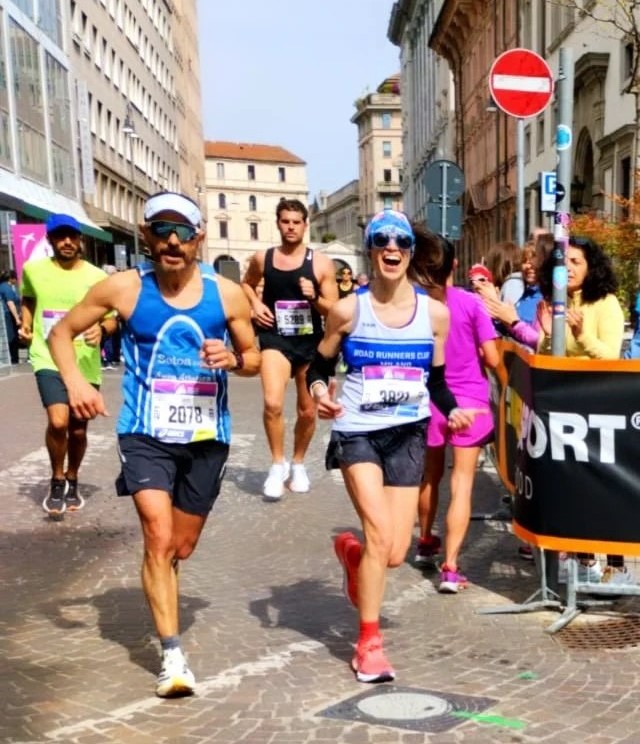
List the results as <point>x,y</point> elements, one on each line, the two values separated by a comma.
<point>169,201</point>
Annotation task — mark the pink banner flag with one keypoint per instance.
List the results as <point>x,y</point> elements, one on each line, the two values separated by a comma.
<point>29,242</point>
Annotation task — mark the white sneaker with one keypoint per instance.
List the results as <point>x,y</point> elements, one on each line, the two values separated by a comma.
<point>273,487</point>
<point>299,481</point>
<point>175,678</point>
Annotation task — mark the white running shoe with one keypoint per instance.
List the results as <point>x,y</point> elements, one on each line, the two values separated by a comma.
<point>273,487</point>
<point>175,678</point>
<point>299,480</point>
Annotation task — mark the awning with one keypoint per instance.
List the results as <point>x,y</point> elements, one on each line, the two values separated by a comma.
<point>40,202</point>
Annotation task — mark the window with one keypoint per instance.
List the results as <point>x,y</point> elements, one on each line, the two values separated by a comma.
<point>385,120</point>
<point>387,175</point>
<point>527,143</point>
<point>253,230</point>
<point>282,175</point>
<point>219,170</point>
<point>540,134</point>
<point>386,149</point>
<point>251,172</point>
<point>224,229</point>
<point>253,204</point>
<point>627,61</point>
<point>222,201</point>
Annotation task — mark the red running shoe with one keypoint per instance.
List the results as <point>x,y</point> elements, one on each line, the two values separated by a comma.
<point>341,545</point>
<point>427,550</point>
<point>370,663</point>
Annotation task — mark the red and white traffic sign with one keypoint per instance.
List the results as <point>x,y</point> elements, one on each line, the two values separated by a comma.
<point>521,83</point>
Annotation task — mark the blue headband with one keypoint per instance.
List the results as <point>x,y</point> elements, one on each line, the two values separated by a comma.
<point>388,222</point>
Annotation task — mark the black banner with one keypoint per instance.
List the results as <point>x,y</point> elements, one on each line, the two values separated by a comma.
<point>568,448</point>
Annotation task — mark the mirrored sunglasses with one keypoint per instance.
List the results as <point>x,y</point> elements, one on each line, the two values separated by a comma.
<point>479,279</point>
<point>382,240</point>
<point>162,229</point>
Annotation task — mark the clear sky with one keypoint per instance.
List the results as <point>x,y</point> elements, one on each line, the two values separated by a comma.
<point>287,74</point>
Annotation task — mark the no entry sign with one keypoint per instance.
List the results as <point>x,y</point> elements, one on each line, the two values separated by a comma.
<point>521,83</point>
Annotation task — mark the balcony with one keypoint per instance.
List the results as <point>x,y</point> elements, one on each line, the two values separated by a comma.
<point>389,187</point>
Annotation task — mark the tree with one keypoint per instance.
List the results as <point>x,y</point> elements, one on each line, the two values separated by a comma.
<point>619,238</point>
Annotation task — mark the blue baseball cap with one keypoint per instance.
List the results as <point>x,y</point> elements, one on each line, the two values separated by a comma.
<point>57,221</point>
<point>388,222</point>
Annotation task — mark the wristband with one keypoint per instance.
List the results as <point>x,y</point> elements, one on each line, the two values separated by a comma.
<point>319,384</point>
<point>239,361</point>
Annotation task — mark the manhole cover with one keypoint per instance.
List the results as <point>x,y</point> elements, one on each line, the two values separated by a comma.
<point>607,634</point>
<point>413,709</point>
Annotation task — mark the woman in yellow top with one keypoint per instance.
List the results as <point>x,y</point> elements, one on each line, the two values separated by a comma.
<point>595,326</point>
<point>595,321</point>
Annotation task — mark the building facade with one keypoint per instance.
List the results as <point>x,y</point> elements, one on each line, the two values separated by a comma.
<point>427,89</point>
<point>379,120</point>
<point>136,71</point>
<point>470,35</point>
<point>244,183</point>
<point>336,216</point>
<point>38,164</point>
<point>604,122</point>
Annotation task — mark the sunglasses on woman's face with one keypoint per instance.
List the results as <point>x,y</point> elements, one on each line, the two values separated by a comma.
<point>162,229</point>
<point>382,240</point>
<point>479,279</point>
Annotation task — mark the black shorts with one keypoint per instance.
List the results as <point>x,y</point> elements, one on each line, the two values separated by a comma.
<point>191,473</point>
<point>52,389</point>
<point>399,451</point>
<point>299,350</point>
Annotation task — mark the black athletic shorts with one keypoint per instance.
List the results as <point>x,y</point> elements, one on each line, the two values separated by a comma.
<point>191,473</point>
<point>398,450</point>
<point>299,350</point>
<point>52,389</point>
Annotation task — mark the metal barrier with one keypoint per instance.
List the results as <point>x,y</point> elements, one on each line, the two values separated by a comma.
<point>5,358</point>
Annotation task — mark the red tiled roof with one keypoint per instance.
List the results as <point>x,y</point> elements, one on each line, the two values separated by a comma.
<point>251,152</point>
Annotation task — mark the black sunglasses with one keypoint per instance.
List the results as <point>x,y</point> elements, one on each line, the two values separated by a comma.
<point>162,229</point>
<point>65,232</point>
<point>382,240</point>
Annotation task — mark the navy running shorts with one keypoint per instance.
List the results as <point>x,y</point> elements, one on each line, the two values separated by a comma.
<point>52,389</point>
<point>398,450</point>
<point>191,473</point>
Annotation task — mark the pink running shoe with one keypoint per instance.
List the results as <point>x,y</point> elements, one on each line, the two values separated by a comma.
<point>451,580</point>
<point>341,545</point>
<point>370,663</point>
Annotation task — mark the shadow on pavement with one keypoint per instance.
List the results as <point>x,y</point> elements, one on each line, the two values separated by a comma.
<point>123,617</point>
<point>37,491</point>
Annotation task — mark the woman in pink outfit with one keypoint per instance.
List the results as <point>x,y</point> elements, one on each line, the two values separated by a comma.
<point>470,346</point>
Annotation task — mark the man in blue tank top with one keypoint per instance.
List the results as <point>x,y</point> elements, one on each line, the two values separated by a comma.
<point>299,289</point>
<point>184,329</point>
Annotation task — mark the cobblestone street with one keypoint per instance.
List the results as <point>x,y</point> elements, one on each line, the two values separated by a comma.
<point>265,626</point>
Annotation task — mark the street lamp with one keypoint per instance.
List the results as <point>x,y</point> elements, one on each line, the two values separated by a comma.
<point>130,133</point>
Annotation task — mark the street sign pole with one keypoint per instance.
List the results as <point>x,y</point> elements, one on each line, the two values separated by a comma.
<point>562,219</point>
<point>520,188</point>
<point>444,186</point>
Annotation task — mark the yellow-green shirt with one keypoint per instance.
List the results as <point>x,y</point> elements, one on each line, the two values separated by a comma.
<point>602,329</point>
<point>56,291</point>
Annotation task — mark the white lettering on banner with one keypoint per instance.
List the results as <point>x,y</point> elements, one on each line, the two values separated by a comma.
<point>566,431</point>
<point>524,485</point>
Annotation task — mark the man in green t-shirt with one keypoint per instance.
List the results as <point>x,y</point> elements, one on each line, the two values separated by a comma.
<point>50,287</point>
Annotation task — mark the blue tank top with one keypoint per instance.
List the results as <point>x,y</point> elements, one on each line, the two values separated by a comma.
<point>168,393</point>
<point>387,368</point>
